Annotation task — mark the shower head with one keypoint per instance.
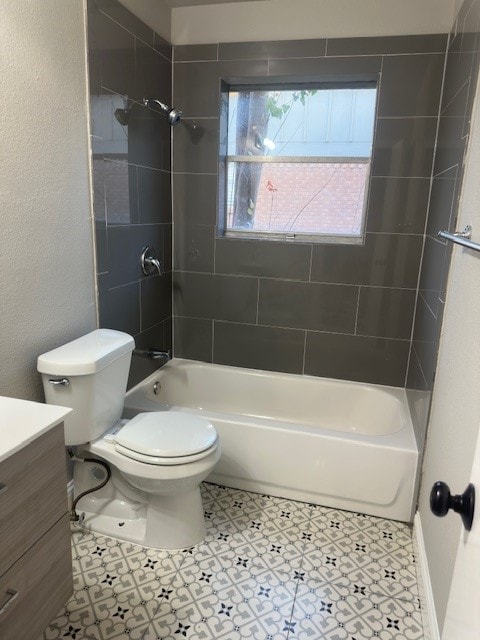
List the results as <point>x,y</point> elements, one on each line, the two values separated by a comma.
<point>122,116</point>
<point>172,114</point>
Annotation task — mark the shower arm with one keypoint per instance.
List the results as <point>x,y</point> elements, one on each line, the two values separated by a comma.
<point>172,114</point>
<point>148,101</point>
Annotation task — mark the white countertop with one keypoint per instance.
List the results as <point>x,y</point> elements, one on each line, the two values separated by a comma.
<point>21,421</point>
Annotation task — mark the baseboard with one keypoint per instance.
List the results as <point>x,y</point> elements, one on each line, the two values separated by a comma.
<point>429,617</point>
<point>70,494</point>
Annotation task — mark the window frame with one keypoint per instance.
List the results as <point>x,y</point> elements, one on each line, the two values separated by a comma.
<point>371,81</point>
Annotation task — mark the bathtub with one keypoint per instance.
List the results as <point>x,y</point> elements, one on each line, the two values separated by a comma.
<point>335,443</point>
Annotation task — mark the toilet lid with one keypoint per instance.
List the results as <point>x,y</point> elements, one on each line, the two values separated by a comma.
<point>167,434</point>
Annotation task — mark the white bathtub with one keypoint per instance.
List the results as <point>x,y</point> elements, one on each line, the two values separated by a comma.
<point>330,442</point>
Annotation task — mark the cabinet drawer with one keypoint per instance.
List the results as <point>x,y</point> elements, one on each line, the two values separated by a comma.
<point>35,496</point>
<point>37,586</point>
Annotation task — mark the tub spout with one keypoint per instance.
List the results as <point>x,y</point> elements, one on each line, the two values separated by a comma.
<point>153,354</point>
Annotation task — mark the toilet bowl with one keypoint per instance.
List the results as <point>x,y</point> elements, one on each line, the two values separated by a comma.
<point>157,459</point>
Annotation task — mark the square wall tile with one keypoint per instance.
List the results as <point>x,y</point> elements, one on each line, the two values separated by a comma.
<point>444,190</point>
<point>434,43</point>
<point>141,368</point>
<point>457,106</point>
<point>415,382</point>
<point>197,85</point>
<point>242,51</point>
<point>457,75</point>
<point>263,258</point>
<point>195,198</point>
<point>322,68</point>
<point>98,177</point>
<point>199,295</point>
<point>125,246</point>
<point>116,48</point>
<point>426,353</point>
<point>156,337</point>
<point>193,338</point>
<point>119,308</point>
<point>255,347</point>
<point>315,48</point>
<point>101,246</point>
<point>154,196</point>
<point>272,49</point>
<point>194,247</point>
<point>385,313</point>
<point>426,327</point>
<point>153,74</point>
<point>127,19</point>
<point>149,139</point>
<point>385,260</point>
<point>196,149</point>
<point>195,52</point>
<point>156,299</point>
<point>375,360</point>
<point>433,276</point>
<point>404,147</point>
<point>321,307</point>
<point>162,46</point>
<point>398,205</point>
<point>411,85</point>
<point>121,192</point>
<point>94,59</point>
<point>451,144</point>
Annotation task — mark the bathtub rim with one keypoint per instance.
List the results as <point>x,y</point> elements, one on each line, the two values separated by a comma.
<point>403,439</point>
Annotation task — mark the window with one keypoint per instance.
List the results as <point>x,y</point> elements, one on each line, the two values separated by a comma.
<point>298,160</point>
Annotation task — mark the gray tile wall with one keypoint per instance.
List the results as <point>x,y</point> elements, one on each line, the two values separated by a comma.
<point>340,311</point>
<point>132,175</point>
<point>460,82</point>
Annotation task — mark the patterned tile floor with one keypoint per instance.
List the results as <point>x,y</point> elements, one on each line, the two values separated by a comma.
<point>269,569</point>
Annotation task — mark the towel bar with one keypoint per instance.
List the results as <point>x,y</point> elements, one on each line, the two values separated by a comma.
<point>461,237</point>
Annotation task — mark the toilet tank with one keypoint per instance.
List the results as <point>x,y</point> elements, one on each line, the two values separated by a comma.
<point>94,370</point>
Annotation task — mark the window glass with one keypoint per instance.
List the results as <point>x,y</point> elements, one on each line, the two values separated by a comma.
<point>298,161</point>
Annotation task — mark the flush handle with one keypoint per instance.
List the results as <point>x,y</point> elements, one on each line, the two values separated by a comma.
<point>60,382</point>
<point>441,501</point>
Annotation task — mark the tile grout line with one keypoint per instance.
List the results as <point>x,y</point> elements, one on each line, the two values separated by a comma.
<point>356,313</point>
<point>258,301</point>
<point>213,338</point>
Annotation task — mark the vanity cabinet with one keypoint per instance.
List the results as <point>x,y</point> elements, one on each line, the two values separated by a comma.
<point>35,553</point>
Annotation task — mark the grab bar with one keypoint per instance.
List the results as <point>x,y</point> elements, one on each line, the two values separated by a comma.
<point>461,237</point>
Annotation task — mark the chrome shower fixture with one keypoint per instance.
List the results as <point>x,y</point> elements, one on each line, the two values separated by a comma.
<point>122,116</point>
<point>172,114</point>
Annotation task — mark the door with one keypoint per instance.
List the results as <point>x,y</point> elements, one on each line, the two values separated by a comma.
<point>462,621</point>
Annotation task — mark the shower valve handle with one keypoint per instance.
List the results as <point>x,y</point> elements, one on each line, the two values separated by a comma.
<point>149,262</point>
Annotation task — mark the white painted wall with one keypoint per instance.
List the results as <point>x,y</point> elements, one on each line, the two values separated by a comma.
<point>154,13</point>
<point>296,19</point>
<point>46,258</point>
<point>463,616</point>
<point>455,414</point>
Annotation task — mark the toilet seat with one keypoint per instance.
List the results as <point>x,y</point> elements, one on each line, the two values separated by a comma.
<point>166,438</point>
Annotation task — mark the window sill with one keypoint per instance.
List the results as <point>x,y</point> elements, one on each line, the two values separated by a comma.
<point>305,238</point>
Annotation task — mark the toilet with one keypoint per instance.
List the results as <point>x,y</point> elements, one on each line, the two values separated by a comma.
<point>157,459</point>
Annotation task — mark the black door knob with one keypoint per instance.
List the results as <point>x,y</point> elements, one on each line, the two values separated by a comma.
<point>441,501</point>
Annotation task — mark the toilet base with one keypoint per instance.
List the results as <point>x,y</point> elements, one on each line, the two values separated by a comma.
<point>171,522</point>
<point>175,521</point>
